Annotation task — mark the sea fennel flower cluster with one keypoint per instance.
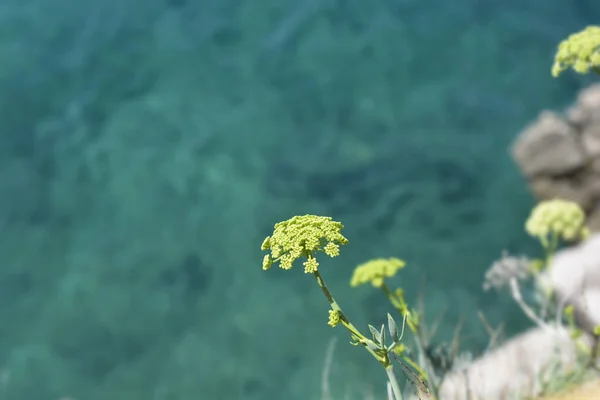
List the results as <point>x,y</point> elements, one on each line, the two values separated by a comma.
<point>376,271</point>
<point>303,236</point>
<point>559,219</point>
<point>580,51</point>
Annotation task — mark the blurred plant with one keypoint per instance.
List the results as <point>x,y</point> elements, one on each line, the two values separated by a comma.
<point>303,237</point>
<point>580,51</point>
<point>551,223</point>
<point>556,220</point>
<point>506,268</point>
<point>375,272</point>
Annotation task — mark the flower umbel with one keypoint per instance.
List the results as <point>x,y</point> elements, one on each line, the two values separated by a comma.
<point>334,318</point>
<point>557,218</point>
<point>375,271</point>
<point>302,236</point>
<point>506,268</point>
<point>581,51</point>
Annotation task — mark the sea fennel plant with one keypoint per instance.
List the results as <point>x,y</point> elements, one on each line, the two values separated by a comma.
<point>376,272</point>
<point>308,237</point>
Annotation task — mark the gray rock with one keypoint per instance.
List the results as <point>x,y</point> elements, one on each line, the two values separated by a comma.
<point>585,116</point>
<point>546,188</point>
<point>583,189</point>
<point>549,146</point>
<point>590,138</point>
<point>586,110</point>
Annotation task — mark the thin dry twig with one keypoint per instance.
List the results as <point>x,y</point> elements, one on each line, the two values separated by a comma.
<point>494,334</point>
<point>435,326</point>
<point>515,291</point>
<point>456,338</point>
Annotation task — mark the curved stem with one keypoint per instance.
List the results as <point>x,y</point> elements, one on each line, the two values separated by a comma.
<point>382,358</point>
<point>394,382</point>
<point>335,306</point>
<point>392,298</point>
<point>518,297</point>
<point>429,372</point>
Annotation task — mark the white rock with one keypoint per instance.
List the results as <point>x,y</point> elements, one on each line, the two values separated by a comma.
<point>574,274</point>
<point>513,369</point>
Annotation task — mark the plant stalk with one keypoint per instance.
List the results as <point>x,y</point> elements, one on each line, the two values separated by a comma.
<point>394,382</point>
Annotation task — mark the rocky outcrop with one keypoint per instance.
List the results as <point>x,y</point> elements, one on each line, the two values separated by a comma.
<point>559,154</point>
<point>514,370</point>
<point>519,366</point>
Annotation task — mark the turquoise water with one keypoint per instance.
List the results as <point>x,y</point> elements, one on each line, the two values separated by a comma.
<point>147,148</point>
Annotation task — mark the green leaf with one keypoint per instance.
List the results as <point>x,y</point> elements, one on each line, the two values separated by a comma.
<point>393,328</point>
<point>374,347</point>
<point>375,333</point>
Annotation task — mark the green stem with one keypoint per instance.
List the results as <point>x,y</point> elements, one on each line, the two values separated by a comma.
<point>550,245</point>
<point>429,370</point>
<point>394,382</point>
<point>595,352</point>
<point>382,358</point>
<point>391,298</point>
<point>335,306</point>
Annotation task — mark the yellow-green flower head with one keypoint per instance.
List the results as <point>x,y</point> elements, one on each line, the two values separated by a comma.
<point>581,51</point>
<point>375,271</point>
<point>303,236</point>
<point>562,218</point>
<point>334,318</point>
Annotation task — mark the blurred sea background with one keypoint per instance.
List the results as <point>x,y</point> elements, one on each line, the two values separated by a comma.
<point>148,147</point>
